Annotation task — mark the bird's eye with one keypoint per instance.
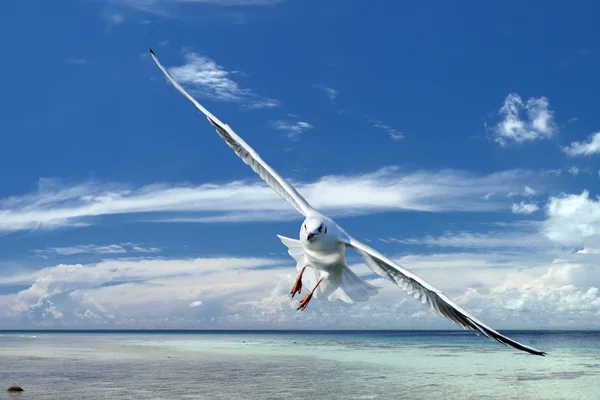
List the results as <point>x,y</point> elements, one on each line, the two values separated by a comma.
<point>321,228</point>
<point>304,226</point>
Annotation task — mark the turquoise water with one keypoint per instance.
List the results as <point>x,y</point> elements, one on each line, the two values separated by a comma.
<point>297,365</point>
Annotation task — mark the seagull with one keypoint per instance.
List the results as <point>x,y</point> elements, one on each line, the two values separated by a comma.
<point>320,252</point>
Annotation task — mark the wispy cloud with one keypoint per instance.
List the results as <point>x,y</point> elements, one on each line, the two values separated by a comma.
<point>521,238</point>
<point>160,6</point>
<point>539,124</point>
<point>389,189</point>
<point>393,133</point>
<point>587,148</point>
<point>112,18</point>
<point>330,92</point>
<point>205,78</point>
<point>78,61</point>
<point>293,129</point>
<point>573,171</point>
<point>198,11</point>
<point>98,249</point>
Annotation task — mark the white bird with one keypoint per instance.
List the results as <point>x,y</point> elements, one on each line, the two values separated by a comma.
<point>320,252</point>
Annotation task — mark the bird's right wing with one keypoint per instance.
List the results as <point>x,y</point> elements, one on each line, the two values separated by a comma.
<point>427,294</point>
<point>246,153</point>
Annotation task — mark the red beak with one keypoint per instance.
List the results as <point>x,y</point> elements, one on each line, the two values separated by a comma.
<point>310,235</point>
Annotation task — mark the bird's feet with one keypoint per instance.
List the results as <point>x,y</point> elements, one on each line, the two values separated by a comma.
<point>298,285</point>
<point>306,300</point>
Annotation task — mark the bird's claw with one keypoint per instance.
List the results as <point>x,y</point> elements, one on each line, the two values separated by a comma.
<point>305,301</point>
<point>297,287</point>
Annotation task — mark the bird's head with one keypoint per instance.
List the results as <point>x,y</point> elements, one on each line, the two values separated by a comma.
<point>313,229</point>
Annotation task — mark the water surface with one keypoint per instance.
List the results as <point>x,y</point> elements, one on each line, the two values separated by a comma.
<point>297,365</point>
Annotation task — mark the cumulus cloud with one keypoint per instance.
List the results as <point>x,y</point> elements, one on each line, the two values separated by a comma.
<point>524,208</point>
<point>122,287</point>
<point>389,189</point>
<point>205,78</point>
<point>587,148</point>
<point>293,129</point>
<point>526,289</point>
<point>561,295</point>
<point>574,219</point>
<point>539,124</point>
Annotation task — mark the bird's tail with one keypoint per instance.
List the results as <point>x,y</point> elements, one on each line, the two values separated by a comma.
<point>348,287</point>
<point>342,284</point>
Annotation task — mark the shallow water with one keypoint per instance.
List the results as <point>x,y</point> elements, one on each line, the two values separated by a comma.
<point>298,365</point>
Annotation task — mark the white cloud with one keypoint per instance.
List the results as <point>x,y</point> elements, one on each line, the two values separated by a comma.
<point>293,129</point>
<point>331,93</point>
<point>388,189</point>
<point>518,277</point>
<point>505,290</point>
<point>393,133</point>
<point>524,208</point>
<point>134,247</point>
<point>592,146</point>
<point>539,124</point>
<point>205,78</point>
<point>133,289</point>
<point>574,219</point>
<point>526,192</point>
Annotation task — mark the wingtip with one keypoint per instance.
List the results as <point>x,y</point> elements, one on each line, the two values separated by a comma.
<point>152,52</point>
<point>212,122</point>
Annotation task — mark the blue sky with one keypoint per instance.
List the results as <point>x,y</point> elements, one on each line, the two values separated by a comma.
<point>462,140</point>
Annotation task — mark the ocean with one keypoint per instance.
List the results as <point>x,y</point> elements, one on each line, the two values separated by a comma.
<point>297,365</point>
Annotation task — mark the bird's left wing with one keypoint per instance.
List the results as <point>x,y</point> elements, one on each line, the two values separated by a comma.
<point>427,294</point>
<point>246,153</point>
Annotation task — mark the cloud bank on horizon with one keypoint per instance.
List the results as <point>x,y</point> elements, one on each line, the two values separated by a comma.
<point>123,209</point>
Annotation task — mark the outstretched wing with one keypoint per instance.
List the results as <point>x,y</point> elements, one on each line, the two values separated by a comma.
<point>427,294</point>
<point>246,153</point>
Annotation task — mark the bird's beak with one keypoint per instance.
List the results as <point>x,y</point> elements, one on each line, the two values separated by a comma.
<point>310,236</point>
